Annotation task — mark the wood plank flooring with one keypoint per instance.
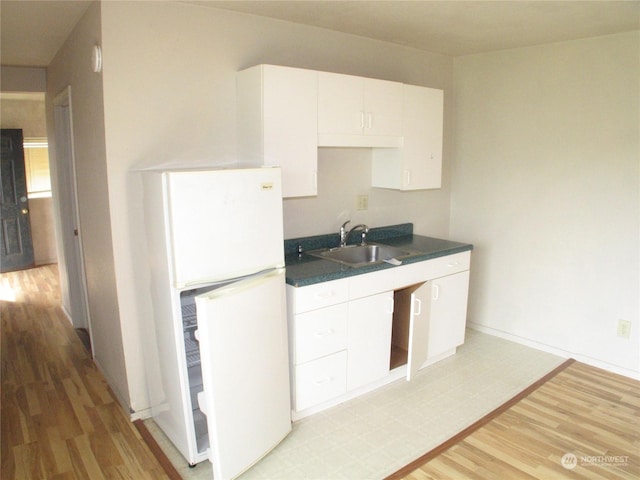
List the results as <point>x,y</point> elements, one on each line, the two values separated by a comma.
<point>59,419</point>
<point>582,423</point>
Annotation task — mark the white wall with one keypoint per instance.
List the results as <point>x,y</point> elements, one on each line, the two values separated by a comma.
<point>169,96</point>
<point>546,186</point>
<point>72,66</point>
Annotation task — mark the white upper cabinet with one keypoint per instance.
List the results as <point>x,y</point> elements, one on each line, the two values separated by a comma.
<point>277,124</point>
<point>285,114</point>
<point>418,164</point>
<point>358,112</point>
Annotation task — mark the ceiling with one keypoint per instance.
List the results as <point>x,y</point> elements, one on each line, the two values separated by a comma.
<point>32,31</point>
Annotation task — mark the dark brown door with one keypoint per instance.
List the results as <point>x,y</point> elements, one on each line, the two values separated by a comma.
<point>15,238</point>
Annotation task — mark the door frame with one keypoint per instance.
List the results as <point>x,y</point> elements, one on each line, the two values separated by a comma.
<point>70,234</point>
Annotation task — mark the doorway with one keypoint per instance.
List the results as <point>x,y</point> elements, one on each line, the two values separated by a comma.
<point>16,246</point>
<point>71,265</point>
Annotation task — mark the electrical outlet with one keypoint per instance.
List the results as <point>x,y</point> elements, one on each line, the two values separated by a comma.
<point>362,202</point>
<point>624,328</point>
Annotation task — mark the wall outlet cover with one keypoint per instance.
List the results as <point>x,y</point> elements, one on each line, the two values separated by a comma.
<point>624,328</point>
<point>362,202</point>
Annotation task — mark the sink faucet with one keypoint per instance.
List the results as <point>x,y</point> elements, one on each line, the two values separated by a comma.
<point>344,235</point>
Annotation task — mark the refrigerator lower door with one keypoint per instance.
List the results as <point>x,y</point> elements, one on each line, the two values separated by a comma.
<point>242,333</point>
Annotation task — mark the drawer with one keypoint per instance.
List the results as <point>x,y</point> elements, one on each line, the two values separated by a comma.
<point>320,332</point>
<point>421,272</point>
<point>450,264</point>
<point>320,380</point>
<point>321,295</point>
<point>372,283</point>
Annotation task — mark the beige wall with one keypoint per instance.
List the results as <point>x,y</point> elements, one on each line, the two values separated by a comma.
<point>43,230</point>
<point>72,66</point>
<point>546,185</point>
<point>27,111</point>
<point>169,95</point>
<point>23,79</point>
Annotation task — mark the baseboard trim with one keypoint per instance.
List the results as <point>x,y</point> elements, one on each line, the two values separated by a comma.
<point>594,362</point>
<point>164,461</point>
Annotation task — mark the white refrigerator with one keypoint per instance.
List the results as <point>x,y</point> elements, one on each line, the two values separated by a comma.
<point>218,359</point>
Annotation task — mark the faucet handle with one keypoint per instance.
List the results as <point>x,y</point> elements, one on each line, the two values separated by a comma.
<point>345,224</point>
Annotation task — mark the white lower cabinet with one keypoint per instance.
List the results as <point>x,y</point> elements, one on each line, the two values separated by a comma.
<point>369,339</point>
<point>447,313</point>
<point>347,337</point>
<point>320,332</point>
<point>320,380</point>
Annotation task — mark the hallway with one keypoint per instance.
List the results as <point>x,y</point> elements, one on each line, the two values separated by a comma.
<point>59,418</point>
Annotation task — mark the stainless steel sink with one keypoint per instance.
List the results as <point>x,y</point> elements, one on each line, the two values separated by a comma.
<point>361,255</point>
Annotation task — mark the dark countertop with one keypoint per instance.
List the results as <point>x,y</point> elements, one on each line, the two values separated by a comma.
<point>304,269</point>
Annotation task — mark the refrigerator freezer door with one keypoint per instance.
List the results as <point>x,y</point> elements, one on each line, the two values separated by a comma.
<point>224,223</point>
<point>243,346</point>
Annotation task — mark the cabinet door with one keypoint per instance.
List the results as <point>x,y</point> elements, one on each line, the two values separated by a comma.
<point>418,164</point>
<point>277,124</point>
<point>340,109</point>
<point>358,112</point>
<point>369,339</point>
<point>290,127</point>
<point>382,107</point>
<point>418,329</point>
<point>448,313</point>
<point>422,151</point>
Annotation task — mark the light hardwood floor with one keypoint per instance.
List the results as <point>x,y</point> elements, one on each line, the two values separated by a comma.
<point>59,420</point>
<point>582,423</point>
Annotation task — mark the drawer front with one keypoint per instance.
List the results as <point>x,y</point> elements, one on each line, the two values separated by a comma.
<point>321,295</point>
<point>320,380</point>
<point>372,283</point>
<point>421,272</point>
<point>320,332</point>
<point>443,266</point>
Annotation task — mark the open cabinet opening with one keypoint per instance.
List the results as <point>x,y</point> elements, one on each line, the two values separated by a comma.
<point>194,369</point>
<point>402,308</point>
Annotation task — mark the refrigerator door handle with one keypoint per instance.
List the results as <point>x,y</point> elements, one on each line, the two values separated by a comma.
<point>243,283</point>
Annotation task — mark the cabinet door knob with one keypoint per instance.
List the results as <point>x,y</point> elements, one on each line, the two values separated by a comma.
<point>24,211</point>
